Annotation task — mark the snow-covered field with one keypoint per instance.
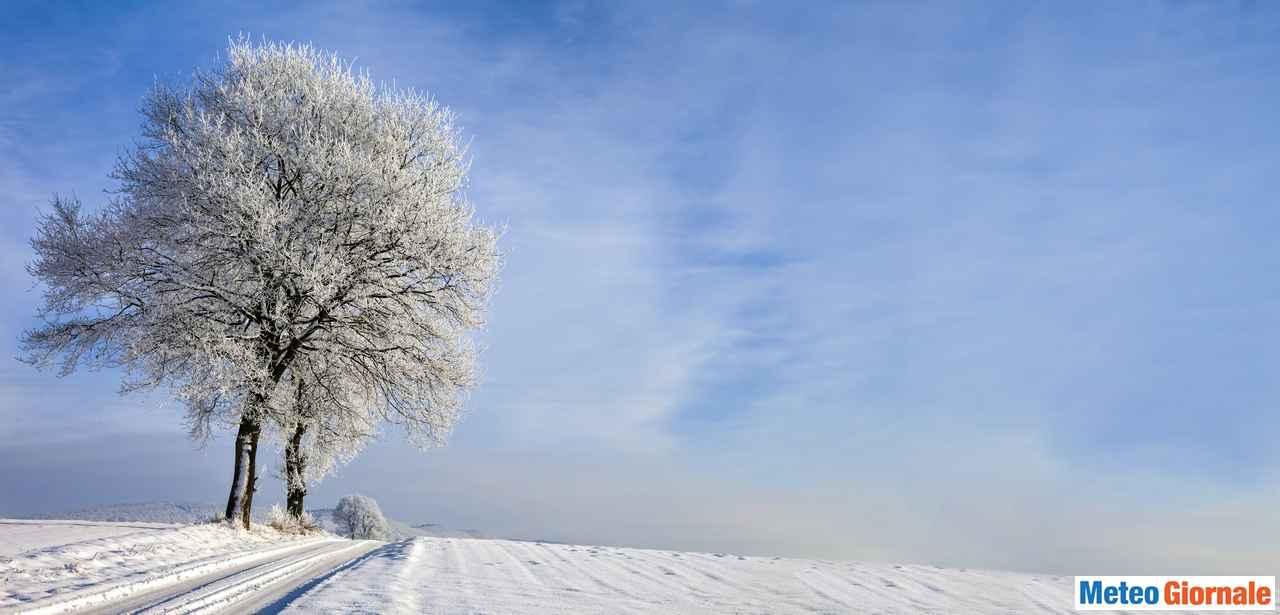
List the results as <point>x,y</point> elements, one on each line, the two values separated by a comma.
<point>97,567</point>
<point>24,535</point>
<point>459,575</point>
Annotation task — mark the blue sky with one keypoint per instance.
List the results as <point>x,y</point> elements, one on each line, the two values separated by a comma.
<point>981,285</point>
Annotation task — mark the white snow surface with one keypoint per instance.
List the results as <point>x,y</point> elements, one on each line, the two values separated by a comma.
<point>74,566</point>
<point>18,535</point>
<point>51,563</point>
<point>461,575</point>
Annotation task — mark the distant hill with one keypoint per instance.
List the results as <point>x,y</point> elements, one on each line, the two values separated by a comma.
<point>401,530</point>
<point>438,531</point>
<point>188,513</point>
<point>149,512</point>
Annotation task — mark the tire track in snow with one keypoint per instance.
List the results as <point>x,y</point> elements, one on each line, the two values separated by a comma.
<point>244,585</point>
<point>395,567</point>
<point>245,582</point>
<point>127,591</point>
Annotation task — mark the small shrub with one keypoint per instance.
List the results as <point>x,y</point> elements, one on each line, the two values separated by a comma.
<point>281,520</point>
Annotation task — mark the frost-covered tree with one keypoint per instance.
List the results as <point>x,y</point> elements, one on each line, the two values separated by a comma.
<point>358,516</point>
<point>280,208</point>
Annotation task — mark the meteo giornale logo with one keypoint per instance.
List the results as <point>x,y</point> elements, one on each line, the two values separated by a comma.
<point>1175,593</point>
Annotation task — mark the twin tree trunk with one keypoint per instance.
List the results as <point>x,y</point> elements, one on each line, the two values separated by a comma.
<point>244,478</point>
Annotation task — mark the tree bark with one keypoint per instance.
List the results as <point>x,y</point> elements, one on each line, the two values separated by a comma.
<point>251,484</point>
<point>244,482</point>
<point>245,437</point>
<point>295,466</point>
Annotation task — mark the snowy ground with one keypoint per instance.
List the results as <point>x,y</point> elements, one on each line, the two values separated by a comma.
<point>94,567</point>
<point>76,566</point>
<point>20,535</point>
<point>458,575</point>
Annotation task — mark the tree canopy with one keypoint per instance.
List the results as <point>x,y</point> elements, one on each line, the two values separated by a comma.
<point>284,222</point>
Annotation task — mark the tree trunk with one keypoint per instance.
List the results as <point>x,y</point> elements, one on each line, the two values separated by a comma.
<point>295,466</point>
<point>245,437</point>
<point>244,481</point>
<point>251,484</point>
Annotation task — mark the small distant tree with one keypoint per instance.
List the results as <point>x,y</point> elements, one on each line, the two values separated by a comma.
<point>359,517</point>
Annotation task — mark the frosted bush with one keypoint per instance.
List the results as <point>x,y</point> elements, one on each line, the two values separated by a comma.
<point>281,520</point>
<point>359,517</point>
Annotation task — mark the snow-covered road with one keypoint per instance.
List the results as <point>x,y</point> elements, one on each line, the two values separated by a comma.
<point>245,588</point>
<point>158,569</point>
<point>458,575</point>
